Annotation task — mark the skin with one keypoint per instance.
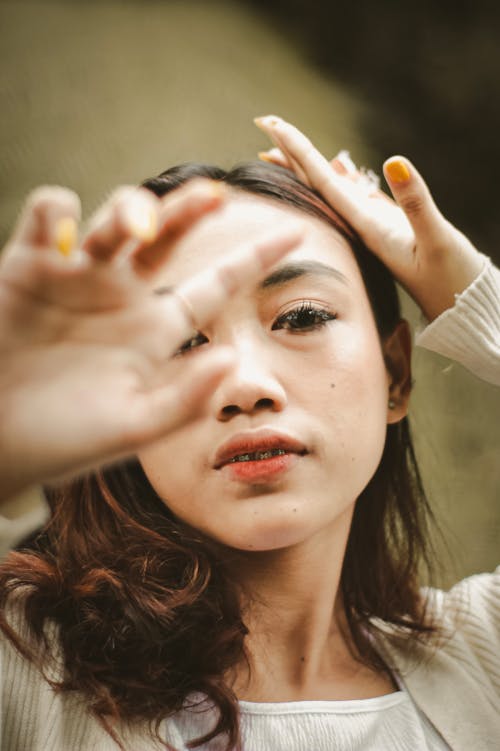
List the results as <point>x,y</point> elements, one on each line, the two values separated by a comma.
<point>86,347</point>
<point>427,255</point>
<point>328,387</point>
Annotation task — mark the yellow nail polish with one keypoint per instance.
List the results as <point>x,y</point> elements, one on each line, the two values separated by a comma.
<point>65,235</point>
<point>398,171</point>
<point>143,222</point>
<point>264,156</point>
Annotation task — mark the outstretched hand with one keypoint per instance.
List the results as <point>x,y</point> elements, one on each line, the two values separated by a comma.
<point>86,345</point>
<point>432,259</point>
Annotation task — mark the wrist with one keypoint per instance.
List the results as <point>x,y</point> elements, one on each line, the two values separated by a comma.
<point>448,275</point>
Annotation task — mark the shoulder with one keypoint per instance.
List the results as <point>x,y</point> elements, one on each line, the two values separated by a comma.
<point>468,644</point>
<point>34,714</point>
<point>478,601</point>
<point>28,663</point>
<point>470,612</point>
<point>25,694</point>
<point>456,679</point>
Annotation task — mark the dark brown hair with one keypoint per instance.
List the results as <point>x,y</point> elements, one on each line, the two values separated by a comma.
<point>146,606</point>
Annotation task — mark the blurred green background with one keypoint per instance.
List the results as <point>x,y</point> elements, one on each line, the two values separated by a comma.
<point>94,94</point>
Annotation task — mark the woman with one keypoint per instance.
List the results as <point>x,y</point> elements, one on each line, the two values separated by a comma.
<point>268,553</point>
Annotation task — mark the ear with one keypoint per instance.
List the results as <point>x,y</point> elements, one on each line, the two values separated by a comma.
<point>397,355</point>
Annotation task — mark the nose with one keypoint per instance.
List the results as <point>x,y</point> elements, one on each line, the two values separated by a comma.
<point>250,387</point>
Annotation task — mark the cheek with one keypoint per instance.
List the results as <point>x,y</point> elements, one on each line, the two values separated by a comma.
<point>351,393</point>
<point>169,470</point>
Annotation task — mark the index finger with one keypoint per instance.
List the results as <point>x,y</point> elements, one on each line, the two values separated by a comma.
<point>341,193</point>
<point>196,302</point>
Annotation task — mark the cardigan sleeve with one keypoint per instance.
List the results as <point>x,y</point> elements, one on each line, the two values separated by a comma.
<point>472,607</point>
<point>470,331</point>
<point>456,680</point>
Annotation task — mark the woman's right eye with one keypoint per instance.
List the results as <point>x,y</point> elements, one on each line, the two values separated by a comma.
<point>195,341</point>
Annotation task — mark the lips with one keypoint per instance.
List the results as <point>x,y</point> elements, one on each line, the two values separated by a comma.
<point>244,446</point>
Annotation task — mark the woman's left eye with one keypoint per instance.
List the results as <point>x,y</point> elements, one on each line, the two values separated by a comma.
<point>305,317</point>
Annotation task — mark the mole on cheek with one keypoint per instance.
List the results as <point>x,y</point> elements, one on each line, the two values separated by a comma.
<point>332,385</point>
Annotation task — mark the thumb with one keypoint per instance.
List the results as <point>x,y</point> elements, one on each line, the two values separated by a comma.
<point>413,196</point>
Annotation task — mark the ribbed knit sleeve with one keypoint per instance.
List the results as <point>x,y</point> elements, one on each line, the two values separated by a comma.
<point>474,606</point>
<point>470,331</point>
<point>457,683</point>
<point>34,717</point>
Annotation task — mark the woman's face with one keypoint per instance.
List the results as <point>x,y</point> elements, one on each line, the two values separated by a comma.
<point>296,430</point>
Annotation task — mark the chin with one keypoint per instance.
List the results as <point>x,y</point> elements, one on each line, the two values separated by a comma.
<point>272,536</point>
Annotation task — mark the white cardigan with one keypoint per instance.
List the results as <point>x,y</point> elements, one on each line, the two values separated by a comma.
<point>457,686</point>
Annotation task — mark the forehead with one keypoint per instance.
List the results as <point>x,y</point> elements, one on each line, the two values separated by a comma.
<point>243,220</point>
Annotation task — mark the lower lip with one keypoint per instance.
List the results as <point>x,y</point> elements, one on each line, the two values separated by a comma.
<point>262,469</point>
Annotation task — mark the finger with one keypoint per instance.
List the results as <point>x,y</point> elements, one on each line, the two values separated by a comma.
<point>413,196</point>
<point>49,219</point>
<point>130,213</point>
<point>338,166</point>
<point>295,165</point>
<point>447,260</point>
<point>207,293</point>
<point>274,135</point>
<point>344,195</point>
<point>196,302</point>
<point>179,211</point>
<point>275,156</point>
<point>175,404</point>
<point>343,164</point>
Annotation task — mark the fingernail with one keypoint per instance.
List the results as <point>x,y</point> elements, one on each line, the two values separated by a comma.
<point>267,121</point>
<point>265,156</point>
<point>66,233</point>
<point>345,159</point>
<point>398,171</point>
<point>142,221</point>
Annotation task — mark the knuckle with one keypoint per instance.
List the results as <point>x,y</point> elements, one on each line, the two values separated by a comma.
<point>412,204</point>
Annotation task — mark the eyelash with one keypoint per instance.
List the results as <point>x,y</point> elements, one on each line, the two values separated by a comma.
<point>317,318</point>
<point>290,321</point>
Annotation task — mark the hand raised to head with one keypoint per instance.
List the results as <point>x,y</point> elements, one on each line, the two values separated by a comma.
<point>432,259</point>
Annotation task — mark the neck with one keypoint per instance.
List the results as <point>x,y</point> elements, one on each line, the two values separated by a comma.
<point>298,641</point>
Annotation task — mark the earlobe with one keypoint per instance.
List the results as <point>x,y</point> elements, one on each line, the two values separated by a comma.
<point>396,348</point>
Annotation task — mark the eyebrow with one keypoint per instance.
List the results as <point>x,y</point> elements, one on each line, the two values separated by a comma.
<point>286,273</point>
<point>290,271</point>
